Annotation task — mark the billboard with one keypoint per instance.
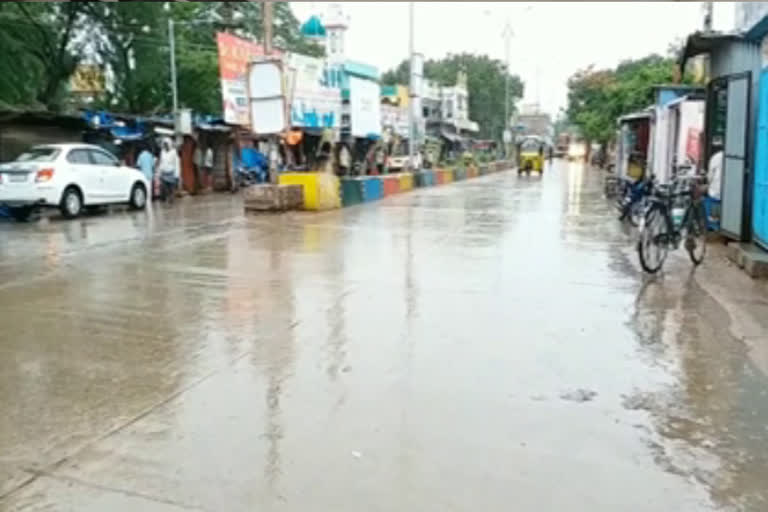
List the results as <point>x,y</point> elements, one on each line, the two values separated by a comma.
<point>365,107</point>
<point>266,96</point>
<point>234,55</point>
<point>314,104</point>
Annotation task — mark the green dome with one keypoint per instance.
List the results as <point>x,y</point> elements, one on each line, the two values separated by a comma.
<point>313,27</point>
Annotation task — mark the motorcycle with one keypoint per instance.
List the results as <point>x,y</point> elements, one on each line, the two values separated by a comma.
<point>632,201</point>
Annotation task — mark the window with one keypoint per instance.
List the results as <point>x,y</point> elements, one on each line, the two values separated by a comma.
<point>78,156</point>
<point>102,158</point>
<point>38,154</point>
<point>449,109</point>
<point>425,112</point>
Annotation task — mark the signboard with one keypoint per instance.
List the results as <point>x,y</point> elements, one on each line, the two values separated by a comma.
<point>266,96</point>
<point>365,109</point>
<point>693,144</point>
<point>396,118</point>
<point>234,55</point>
<point>314,102</point>
<point>87,79</point>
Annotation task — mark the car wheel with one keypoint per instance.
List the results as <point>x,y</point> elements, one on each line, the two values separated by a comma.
<point>22,213</point>
<point>138,199</point>
<point>71,203</point>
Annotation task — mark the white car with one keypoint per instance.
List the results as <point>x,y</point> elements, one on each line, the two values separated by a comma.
<point>397,162</point>
<point>69,177</point>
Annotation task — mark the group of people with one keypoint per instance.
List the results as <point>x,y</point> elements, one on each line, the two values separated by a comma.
<point>164,169</point>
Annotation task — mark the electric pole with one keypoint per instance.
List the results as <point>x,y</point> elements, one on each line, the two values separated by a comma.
<point>507,34</point>
<point>267,18</point>
<point>411,127</point>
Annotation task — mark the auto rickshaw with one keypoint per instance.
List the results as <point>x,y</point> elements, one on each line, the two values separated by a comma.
<point>531,156</point>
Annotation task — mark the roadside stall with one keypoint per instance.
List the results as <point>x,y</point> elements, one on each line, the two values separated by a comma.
<point>632,148</point>
<point>678,115</point>
<point>730,120</point>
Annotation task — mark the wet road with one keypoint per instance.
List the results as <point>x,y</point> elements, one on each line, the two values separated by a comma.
<point>487,345</point>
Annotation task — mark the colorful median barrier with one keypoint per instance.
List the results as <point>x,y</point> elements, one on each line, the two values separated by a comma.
<point>406,181</point>
<point>424,178</point>
<point>391,184</point>
<point>361,189</point>
<point>324,191</point>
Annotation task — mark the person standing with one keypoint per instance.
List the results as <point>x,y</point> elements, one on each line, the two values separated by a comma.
<point>168,171</point>
<point>208,168</point>
<point>197,163</point>
<point>344,160</point>
<point>146,164</point>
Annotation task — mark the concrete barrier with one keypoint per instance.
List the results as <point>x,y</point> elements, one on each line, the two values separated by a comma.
<point>424,178</point>
<point>322,191</point>
<point>351,191</point>
<point>373,188</point>
<point>361,189</point>
<point>406,181</point>
<point>391,184</point>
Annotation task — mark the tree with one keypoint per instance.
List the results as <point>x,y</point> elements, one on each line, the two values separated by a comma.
<point>44,37</point>
<point>486,83</point>
<point>598,97</point>
<point>136,50</point>
<point>132,44</point>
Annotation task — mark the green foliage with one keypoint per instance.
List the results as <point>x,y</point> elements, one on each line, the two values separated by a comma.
<point>130,39</point>
<point>40,50</point>
<point>133,47</point>
<point>486,82</point>
<point>597,97</point>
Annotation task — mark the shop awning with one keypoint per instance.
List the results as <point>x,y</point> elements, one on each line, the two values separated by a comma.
<point>636,116</point>
<point>704,42</point>
<point>451,136</point>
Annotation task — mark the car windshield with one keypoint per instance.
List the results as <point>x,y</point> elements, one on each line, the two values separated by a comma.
<point>38,154</point>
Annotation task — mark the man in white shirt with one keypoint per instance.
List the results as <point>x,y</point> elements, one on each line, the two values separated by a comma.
<point>715,175</point>
<point>168,171</point>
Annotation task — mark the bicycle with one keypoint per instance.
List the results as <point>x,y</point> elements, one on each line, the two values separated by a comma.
<point>663,226</point>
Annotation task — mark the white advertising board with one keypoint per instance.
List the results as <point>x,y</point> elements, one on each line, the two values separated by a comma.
<point>314,104</point>
<point>365,107</point>
<point>267,102</point>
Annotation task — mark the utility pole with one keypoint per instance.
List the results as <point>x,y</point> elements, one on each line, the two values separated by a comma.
<point>411,127</point>
<point>267,18</point>
<point>708,8</point>
<point>507,34</point>
<point>174,86</point>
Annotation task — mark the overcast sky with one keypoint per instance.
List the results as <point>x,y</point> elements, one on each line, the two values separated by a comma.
<point>552,40</point>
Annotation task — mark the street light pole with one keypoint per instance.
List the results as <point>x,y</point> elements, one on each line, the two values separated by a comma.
<point>508,47</point>
<point>411,127</point>
<point>267,18</point>
<point>174,86</point>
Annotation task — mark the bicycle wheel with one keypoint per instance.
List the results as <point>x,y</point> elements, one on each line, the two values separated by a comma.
<point>696,234</point>
<point>652,245</point>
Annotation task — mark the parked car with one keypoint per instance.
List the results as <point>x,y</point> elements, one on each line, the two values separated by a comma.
<point>69,177</point>
<point>398,162</point>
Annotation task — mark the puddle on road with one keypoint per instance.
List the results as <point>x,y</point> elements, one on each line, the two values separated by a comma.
<point>710,423</point>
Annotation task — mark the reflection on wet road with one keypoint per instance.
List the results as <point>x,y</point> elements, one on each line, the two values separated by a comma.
<point>487,345</point>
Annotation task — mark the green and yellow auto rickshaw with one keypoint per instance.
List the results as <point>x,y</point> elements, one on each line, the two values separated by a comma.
<point>530,157</point>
